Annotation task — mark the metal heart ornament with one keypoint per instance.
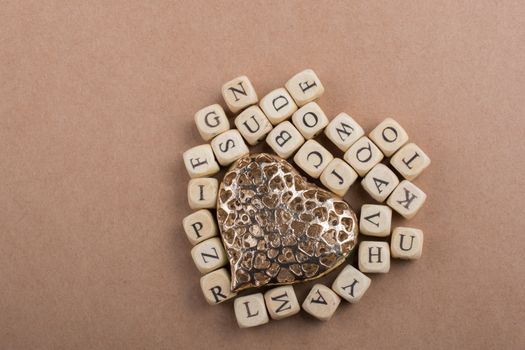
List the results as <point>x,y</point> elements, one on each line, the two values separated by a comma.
<point>278,228</point>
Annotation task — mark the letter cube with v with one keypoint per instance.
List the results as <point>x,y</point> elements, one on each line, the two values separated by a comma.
<point>239,94</point>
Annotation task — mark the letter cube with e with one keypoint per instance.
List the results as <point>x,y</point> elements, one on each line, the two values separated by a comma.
<point>239,94</point>
<point>380,182</point>
<point>304,87</point>
<point>228,147</point>
<point>406,243</point>
<point>285,139</point>
<point>321,302</point>
<point>199,226</point>
<point>253,124</point>
<point>338,176</point>
<point>202,193</point>
<point>343,131</point>
<point>375,220</point>
<point>363,155</point>
<point>250,310</point>
<point>389,136</point>
<point>216,286</point>
<point>410,161</point>
<point>351,284</point>
<point>200,161</point>
<point>278,105</point>
<point>209,255</point>
<point>374,257</point>
<point>310,120</point>
<point>281,302</point>
<point>313,158</point>
<point>407,199</point>
<point>211,121</point>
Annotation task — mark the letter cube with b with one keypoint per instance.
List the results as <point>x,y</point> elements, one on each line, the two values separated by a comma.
<point>216,286</point>
<point>406,243</point>
<point>228,147</point>
<point>305,87</point>
<point>285,139</point>
<point>239,94</point>
<point>250,310</point>
<point>313,158</point>
<point>211,121</point>
<point>407,199</point>
<point>281,302</point>
<point>253,125</point>
<point>374,257</point>
<point>200,161</point>
<point>278,105</point>
<point>310,120</point>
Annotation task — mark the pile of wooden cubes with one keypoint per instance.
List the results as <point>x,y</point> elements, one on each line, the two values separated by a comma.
<point>289,119</point>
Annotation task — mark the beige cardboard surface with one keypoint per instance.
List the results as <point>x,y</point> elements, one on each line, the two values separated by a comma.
<point>96,107</point>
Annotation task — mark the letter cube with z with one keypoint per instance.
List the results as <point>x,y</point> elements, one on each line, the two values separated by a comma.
<point>209,255</point>
<point>200,161</point>
<point>305,87</point>
<point>239,94</point>
<point>211,121</point>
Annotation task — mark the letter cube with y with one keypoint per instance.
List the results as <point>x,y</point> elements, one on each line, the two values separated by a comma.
<point>310,120</point>
<point>406,243</point>
<point>239,93</point>
<point>285,139</point>
<point>228,147</point>
<point>380,182</point>
<point>278,105</point>
<point>199,226</point>
<point>407,199</point>
<point>363,155</point>
<point>253,124</point>
<point>338,176</point>
<point>410,161</point>
<point>313,158</point>
<point>216,286</point>
<point>211,121</point>
<point>200,161</point>
<point>351,284</point>
<point>375,220</point>
<point>304,87</point>
<point>202,193</point>
<point>374,257</point>
<point>321,302</point>
<point>209,255</point>
<point>250,310</point>
<point>281,302</point>
<point>389,136</point>
<point>343,131</point>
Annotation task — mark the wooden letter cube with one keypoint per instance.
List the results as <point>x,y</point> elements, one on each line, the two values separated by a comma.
<point>380,182</point>
<point>250,310</point>
<point>410,161</point>
<point>211,121</point>
<point>278,105</point>
<point>374,257</point>
<point>363,155</point>
<point>199,226</point>
<point>321,302</point>
<point>351,284</point>
<point>343,131</point>
<point>313,158</point>
<point>228,147</point>
<point>338,176</point>
<point>253,124</point>
<point>202,193</point>
<point>209,255</point>
<point>304,87</point>
<point>285,139</point>
<point>407,199</point>
<point>281,302</point>
<point>200,161</point>
<point>239,93</point>
<point>407,243</point>
<point>310,120</point>
<point>375,220</point>
<point>389,136</point>
<point>216,286</point>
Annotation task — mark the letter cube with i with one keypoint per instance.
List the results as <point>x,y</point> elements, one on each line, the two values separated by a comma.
<point>313,158</point>
<point>407,199</point>
<point>375,220</point>
<point>211,121</point>
<point>343,131</point>
<point>278,105</point>
<point>285,139</point>
<point>250,310</point>
<point>310,120</point>
<point>305,87</point>
<point>199,226</point>
<point>363,155</point>
<point>380,182</point>
<point>228,147</point>
<point>239,94</point>
<point>209,255</point>
<point>200,161</point>
<point>389,136</point>
<point>410,161</point>
<point>281,302</point>
<point>351,284</point>
<point>374,257</point>
<point>321,302</point>
<point>216,286</point>
<point>202,193</point>
<point>406,243</point>
<point>253,125</point>
<point>338,176</point>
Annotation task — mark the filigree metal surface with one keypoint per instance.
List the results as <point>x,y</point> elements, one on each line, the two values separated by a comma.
<point>277,228</point>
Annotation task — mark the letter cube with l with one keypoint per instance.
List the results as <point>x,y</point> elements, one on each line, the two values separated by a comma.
<point>281,302</point>
<point>313,158</point>
<point>200,161</point>
<point>304,87</point>
<point>310,120</point>
<point>375,220</point>
<point>202,193</point>
<point>239,94</point>
<point>343,131</point>
<point>216,286</point>
<point>199,226</point>
<point>410,161</point>
<point>228,147</point>
<point>209,255</point>
<point>380,182</point>
<point>338,176</point>
<point>285,139</point>
<point>351,284</point>
<point>278,105</point>
<point>406,243</point>
<point>363,155</point>
<point>321,302</point>
<point>407,199</point>
<point>250,310</point>
<point>211,121</point>
<point>389,136</point>
<point>374,257</point>
<point>253,124</point>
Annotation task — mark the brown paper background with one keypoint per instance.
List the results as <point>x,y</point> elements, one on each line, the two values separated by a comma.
<point>97,100</point>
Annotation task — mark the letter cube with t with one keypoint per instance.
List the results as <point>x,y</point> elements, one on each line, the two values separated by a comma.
<point>211,121</point>
<point>250,310</point>
<point>363,155</point>
<point>285,139</point>
<point>216,286</point>
<point>321,302</point>
<point>338,176</point>
<point>278,105</point>
<point>200,161</point>
<point>228,147</point>
<point>313,158</point>
<point>389,136</point>
<point>305,87</point>
<point>410,161</point>
<point>253,125</point>
<point>374,257</point>
<point>406,243</point>
<point>239,94</point>
<point>351,284</point>
<point>281,302</point>
<point>407,199</point>
<point>310,120</point>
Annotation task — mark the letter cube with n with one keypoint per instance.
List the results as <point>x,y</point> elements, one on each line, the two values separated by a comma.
<point>374,257</point>
<point>250,310</point>
<point>305,87</point>
<point>281,302</point>
<point>211,121</point>
<point>407,199</point>
<point>285,139</point>
<point>351,284</point>
<point>216,286</point>
<point>239,93</point>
